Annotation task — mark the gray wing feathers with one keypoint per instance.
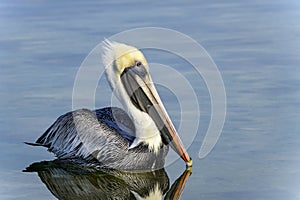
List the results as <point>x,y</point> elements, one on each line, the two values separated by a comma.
<point>99,138</point>
<point>81,134</point>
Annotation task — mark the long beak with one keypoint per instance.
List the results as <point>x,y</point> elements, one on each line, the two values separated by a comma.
<point>144,96</point>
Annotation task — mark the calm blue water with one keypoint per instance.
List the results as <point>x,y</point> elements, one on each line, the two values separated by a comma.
<point>255,46</point>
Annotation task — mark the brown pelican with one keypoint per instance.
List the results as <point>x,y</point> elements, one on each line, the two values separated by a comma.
<point>111,138</point>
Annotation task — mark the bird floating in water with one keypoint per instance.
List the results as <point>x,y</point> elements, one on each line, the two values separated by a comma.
<point>111,138</point>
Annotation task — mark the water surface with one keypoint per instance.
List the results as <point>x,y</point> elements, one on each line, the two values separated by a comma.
<point>255,46</point>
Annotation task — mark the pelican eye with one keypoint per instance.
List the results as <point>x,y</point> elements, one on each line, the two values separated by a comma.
<point>138,63</point>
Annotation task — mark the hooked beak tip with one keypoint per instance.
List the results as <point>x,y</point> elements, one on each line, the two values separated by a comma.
<point>189,163</point>
<point>188,160</point>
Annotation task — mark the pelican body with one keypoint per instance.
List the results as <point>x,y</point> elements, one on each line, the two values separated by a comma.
<point>138,139</point>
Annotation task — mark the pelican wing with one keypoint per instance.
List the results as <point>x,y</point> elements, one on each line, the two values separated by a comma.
<point>117,119</point>
<point>102,135</point>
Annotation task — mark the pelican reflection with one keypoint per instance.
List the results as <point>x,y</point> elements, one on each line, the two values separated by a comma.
<point>67,181</point>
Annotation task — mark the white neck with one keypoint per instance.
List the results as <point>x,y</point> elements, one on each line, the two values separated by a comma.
<point>146,130</point>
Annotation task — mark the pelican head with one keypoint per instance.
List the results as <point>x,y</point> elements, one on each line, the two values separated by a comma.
<point>128,74</point>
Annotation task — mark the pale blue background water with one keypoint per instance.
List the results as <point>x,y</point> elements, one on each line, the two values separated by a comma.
<point>255,45</point>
